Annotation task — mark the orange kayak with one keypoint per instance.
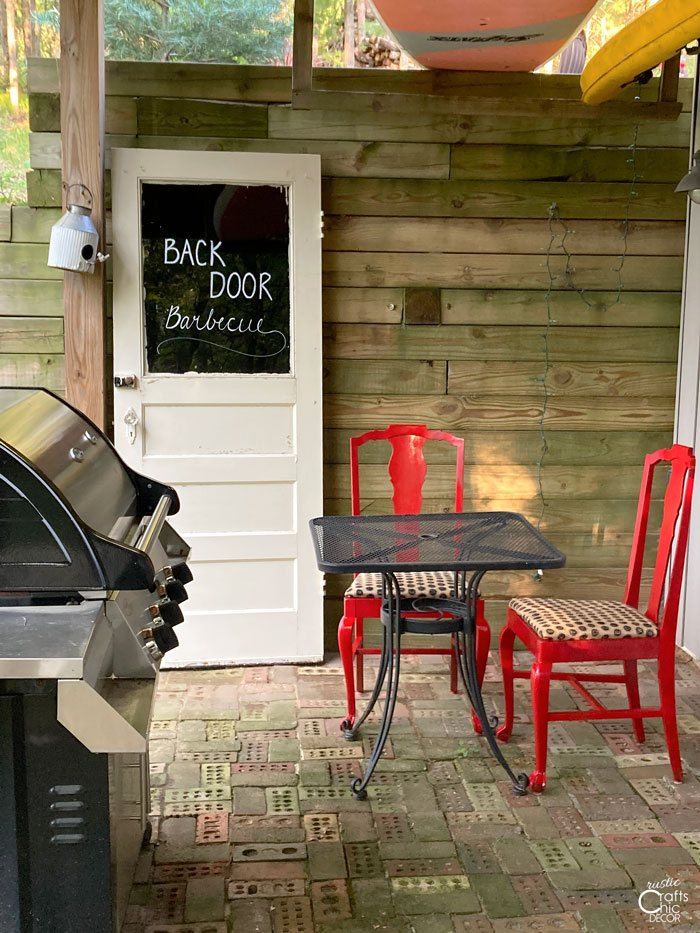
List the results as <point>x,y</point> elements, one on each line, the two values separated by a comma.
<point>480,35</point>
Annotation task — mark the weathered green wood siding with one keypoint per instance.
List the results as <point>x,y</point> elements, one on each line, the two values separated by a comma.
<point>459,205</point>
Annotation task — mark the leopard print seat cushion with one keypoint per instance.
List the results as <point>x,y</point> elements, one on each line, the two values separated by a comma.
<point>411,584</point>
<point>580,619</point>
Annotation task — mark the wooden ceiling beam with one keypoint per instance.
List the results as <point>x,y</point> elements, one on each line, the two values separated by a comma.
<point>477,105</point>
<point>302,47</point>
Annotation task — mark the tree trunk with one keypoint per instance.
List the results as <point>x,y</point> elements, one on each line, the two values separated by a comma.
<point>361,13</point>
<point>12,82</point>
<point>3,45</point>
<point>349,42</point>
<point>34,31</point>
<point>26,28</point>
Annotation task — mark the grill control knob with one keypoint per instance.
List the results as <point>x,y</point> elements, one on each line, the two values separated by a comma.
<point>180,572</point>
<point>159,636</point>
<point>168,611</point>
<point>173,589</point>
<point>165,638</point>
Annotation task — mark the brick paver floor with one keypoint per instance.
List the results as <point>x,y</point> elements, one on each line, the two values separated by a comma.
<point>255,828</point>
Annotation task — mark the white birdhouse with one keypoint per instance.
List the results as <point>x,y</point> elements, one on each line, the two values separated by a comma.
<point>74,240</point>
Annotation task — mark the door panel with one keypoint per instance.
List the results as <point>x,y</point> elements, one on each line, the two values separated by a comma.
<point>231,507</point>
<point>220,429</point>
<point>245,584</point>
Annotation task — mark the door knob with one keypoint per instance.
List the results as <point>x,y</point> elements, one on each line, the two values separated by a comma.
<point>131,419</point>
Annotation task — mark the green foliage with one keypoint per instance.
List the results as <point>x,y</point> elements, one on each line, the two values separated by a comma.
<point>240,32</point>
<point>609,18</point>
<point>236,31</point>
<point>14,151</point>
<point>329,17</point>
<point>47,18</point>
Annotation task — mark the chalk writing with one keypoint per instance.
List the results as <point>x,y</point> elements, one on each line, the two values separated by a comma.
<point>171,253</point>
<point>231,325</point>
<point>236,285</point>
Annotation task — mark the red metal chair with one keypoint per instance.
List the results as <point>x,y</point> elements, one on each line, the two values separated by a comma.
<point>407,472</point>
<point>565,630</point>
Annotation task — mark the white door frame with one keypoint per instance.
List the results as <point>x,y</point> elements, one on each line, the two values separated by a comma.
<point>298,632</point>
<point>687,424</point>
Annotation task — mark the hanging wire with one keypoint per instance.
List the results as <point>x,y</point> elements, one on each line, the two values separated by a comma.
<point>554,218</point>
<point>570,269</point>
<point>626,222</point>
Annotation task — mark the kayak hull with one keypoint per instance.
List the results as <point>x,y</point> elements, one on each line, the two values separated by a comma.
<point>478,35</point>
<point>650,39</point>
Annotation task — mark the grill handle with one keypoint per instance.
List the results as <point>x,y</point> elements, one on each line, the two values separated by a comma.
<point>155,524</point>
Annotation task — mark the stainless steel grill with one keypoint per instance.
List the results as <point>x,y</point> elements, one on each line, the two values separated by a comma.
<point>91,578</point>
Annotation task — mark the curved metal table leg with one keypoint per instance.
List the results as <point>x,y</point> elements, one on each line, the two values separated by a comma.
<point>349,734</point>
<point>466,650</point>
<point>391,651</point>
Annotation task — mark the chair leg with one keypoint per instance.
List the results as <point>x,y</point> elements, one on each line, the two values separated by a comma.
<point>633,696</point>
<point>505,649</point>
<point>539,685</point>
<point>345,640</point>
<point>483,643</point>
<point>359,658</point>
<point>667,695</point>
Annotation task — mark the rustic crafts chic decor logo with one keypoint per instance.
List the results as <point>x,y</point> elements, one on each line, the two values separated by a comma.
<point>662,901</point>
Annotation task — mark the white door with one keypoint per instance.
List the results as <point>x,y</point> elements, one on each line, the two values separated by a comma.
<point>217,313</point>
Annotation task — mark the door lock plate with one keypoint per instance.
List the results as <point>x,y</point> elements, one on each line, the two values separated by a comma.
<point>126,382</point>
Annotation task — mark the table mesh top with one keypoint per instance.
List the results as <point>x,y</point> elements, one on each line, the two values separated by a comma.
<point>447,541</point>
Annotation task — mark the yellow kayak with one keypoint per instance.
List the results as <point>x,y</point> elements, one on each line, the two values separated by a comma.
<point>652,38</point>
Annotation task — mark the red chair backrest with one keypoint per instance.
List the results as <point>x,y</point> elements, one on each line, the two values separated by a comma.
<point>407,467</point>
<point>673,539</point>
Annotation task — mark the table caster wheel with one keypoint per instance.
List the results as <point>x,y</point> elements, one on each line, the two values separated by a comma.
<point>348,731</point>
<point>521,785</point>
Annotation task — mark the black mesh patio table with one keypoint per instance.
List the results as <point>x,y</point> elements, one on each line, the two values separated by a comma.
<point>467,543</point>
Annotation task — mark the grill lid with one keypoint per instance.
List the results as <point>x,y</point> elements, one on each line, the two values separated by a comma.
<point>63,488</point>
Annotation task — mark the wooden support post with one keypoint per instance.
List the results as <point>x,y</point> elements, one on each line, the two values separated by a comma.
<point>670,76</point>
<point>82,147</point>
<point>302,49</point>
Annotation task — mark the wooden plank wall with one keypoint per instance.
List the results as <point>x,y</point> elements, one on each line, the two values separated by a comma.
<point>438,284</point>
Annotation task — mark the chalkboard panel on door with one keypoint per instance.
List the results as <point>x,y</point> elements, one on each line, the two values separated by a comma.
<point>216,277</point>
